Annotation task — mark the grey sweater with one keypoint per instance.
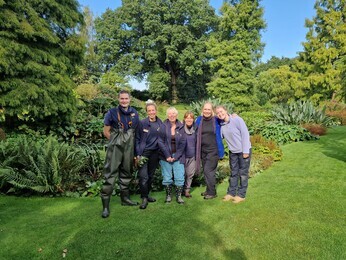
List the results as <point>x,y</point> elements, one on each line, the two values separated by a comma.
<point>236,134</point>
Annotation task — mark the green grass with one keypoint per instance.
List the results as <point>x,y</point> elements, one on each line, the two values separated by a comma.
<point>294,210</point>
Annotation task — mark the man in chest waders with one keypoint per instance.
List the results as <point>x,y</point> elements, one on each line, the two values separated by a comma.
<point>120,125</point>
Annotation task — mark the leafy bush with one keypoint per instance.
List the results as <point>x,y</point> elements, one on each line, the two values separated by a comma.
<point>336,110</point>
<point>282,133</point>
<point>93,188</point>
<point>255,120</point>
<point>301,112</point>
<point>87,91</point>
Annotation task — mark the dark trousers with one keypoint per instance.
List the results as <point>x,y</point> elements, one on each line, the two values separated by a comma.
<point>209,163</point>
<point>119,161</point>
<point>147,171</point>
<point>238,181</point>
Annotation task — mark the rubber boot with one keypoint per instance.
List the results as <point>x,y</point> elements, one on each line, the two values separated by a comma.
<point>168,193</point>
<point>105,205</point>
<point>151,199</point>
<point>144,203</point>
<point>125,199</point>
<point>178,191</point>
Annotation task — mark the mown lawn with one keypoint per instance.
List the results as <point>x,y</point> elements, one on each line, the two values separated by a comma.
<point>294,210</point>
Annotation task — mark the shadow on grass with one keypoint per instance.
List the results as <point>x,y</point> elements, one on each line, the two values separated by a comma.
<point>41,228</point>
<point>236,254</point>
<point>159,232</point>
<point>334,144</point>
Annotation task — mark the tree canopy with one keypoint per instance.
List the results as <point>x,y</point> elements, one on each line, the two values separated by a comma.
<point>40,47</point>
<point>160,40</point>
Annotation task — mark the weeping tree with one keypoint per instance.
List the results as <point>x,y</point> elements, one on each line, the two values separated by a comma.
<point>40,48</point>
<point>162,41</point>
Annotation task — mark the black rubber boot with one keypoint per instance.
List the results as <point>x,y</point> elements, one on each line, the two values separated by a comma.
<point>125,199</point>
<point>168,193</point>
<point>105,204</point>
<point>178,191</point>
<point>151,199</point>
<point>144,203</point>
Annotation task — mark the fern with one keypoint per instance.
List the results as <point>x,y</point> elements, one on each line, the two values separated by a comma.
<point>43,165</point>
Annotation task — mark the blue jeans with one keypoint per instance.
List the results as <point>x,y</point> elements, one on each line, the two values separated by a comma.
<point>238,180</point>
<point>168,169</point>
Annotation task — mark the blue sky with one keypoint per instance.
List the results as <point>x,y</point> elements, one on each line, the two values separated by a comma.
<point>285,20</point>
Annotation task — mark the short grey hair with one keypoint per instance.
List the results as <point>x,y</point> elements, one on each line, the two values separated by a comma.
<point>173,109</point>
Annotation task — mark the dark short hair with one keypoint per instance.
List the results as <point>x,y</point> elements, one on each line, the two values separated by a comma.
<point>124,91</point>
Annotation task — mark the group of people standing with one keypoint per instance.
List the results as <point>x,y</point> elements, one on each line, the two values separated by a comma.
<point>179,147</point>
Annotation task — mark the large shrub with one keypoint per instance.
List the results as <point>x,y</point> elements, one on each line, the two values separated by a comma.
<point>256,120</point>
<point>336,110</point>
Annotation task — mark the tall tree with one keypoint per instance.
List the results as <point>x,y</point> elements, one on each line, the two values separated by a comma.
<point>160,40</point>
<point>40,47</point>
<point>89,71</point>
<point>234,49</point>
<point>323,60</point>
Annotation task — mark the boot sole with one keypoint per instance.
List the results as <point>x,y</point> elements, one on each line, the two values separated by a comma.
<point>126,204</point>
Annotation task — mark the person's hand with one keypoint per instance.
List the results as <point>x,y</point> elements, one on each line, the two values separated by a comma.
<point>136,161</point>
<point>245,155</point>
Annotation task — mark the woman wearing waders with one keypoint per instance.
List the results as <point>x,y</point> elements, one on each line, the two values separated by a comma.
<point>120,125</point>
<point>147,150</point>
<point>172,142</point>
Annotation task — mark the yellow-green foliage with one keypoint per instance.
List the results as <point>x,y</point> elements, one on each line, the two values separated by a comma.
<point>87,91</point>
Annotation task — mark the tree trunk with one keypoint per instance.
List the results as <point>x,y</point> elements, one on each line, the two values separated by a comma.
<point>174,91</point>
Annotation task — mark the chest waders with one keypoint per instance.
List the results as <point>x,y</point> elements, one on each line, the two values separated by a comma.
<point>118,165</point>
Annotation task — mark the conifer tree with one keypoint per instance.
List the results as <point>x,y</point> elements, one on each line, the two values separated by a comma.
<point>39,47</point>
<point>234,50</point>
<point>323,61</point>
